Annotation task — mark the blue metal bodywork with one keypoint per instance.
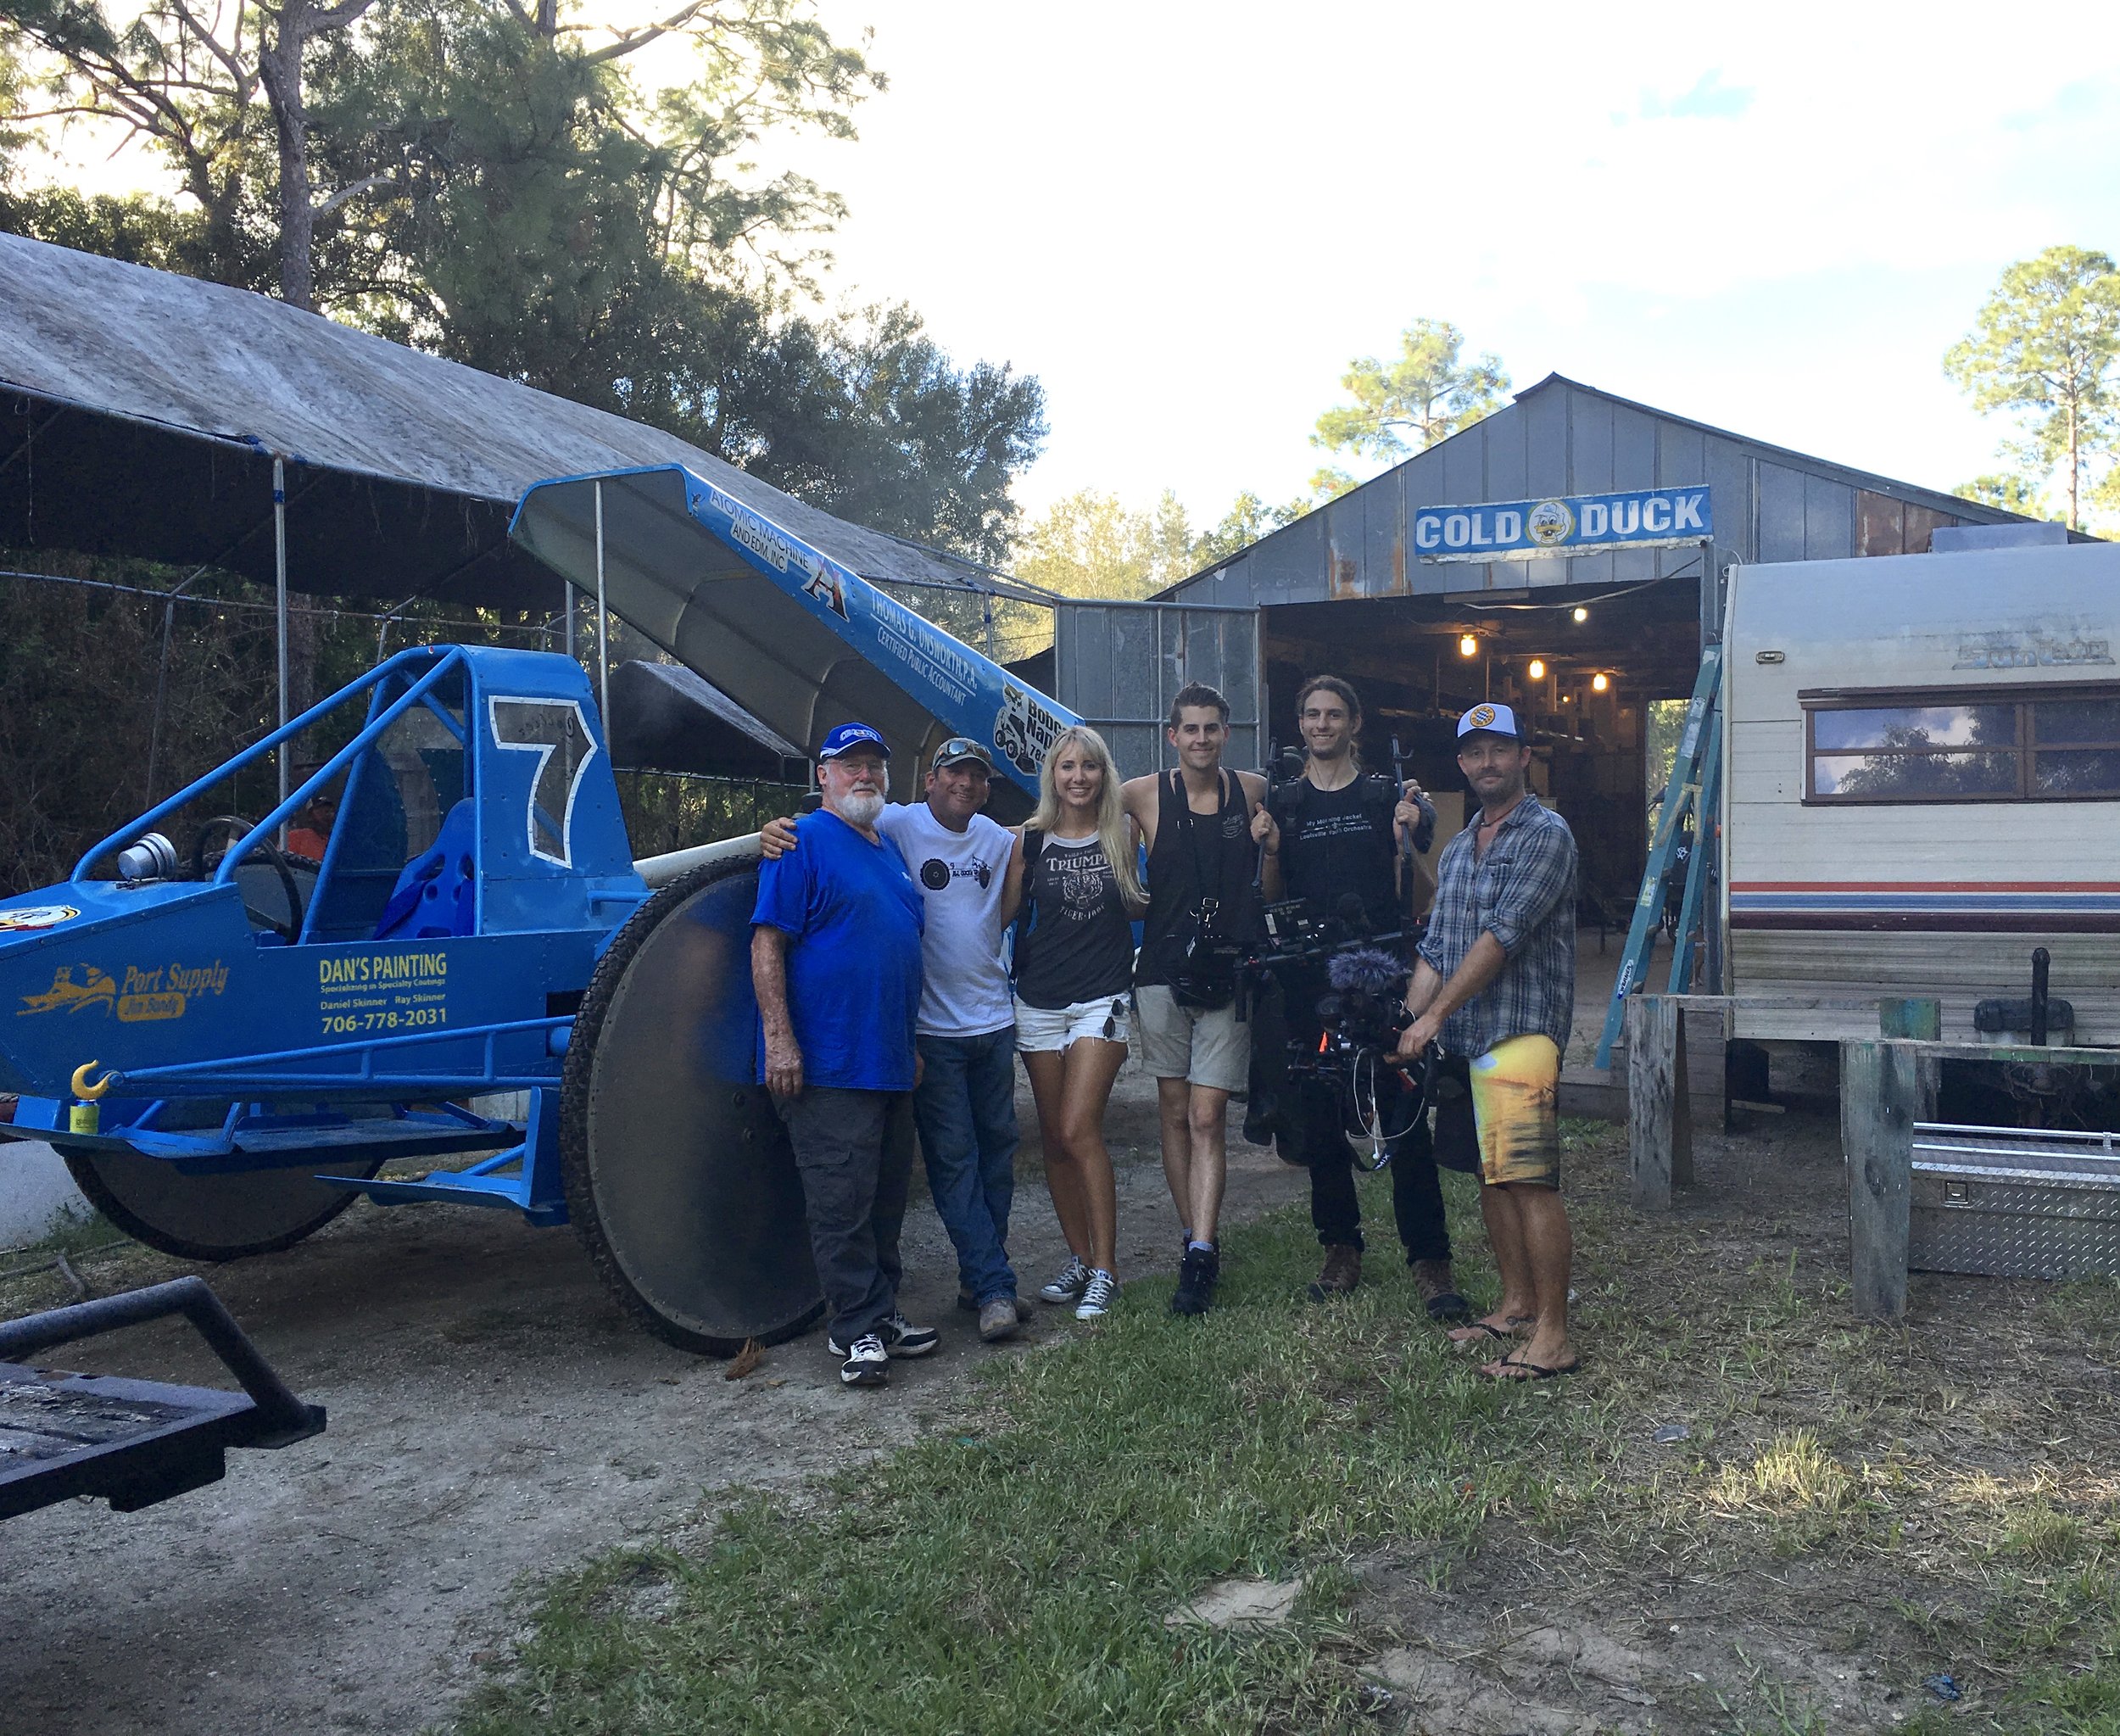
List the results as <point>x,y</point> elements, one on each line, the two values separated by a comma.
<point>477,867</point>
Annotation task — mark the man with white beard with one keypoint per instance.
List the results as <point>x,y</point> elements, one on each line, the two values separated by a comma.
<point>835,962</point>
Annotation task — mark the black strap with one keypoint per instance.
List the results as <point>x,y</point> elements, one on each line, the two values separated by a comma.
<point>1193,835</point>
<point>1034,847</point>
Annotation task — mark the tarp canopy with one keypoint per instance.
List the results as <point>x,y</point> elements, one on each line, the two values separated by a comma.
<point>140,412</point>
<point>788,632</point>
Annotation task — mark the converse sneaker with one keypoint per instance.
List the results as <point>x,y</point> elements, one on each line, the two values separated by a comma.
<point>899,1337</point>
<point>1098,1295</point>
<point>1069,1285</point>
<point>867,1363</point>
<point>1195,1293</point>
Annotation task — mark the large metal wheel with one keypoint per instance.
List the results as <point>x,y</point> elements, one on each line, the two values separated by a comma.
<point>678,1174</point>
<point>211,1217</point>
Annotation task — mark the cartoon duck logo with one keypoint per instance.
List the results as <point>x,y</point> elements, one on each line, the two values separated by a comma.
<point>96,989</point>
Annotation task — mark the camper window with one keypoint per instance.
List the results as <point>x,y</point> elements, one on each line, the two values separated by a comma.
<point>1943,747</point>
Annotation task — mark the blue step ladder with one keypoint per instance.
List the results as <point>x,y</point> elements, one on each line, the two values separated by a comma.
<point>1694,790</point>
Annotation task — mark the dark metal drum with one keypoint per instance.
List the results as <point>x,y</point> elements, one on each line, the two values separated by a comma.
<point>678,1171</point>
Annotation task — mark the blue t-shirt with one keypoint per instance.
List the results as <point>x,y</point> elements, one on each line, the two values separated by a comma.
<point>854,970</point>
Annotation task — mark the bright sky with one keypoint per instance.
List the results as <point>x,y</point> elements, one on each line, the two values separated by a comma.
<point>1185,218</point>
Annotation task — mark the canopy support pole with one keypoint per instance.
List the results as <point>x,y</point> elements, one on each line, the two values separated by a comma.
<point>603,620</point>
<point>280,608</point>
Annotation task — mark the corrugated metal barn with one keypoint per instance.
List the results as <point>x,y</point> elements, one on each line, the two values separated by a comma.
<point>1344,589</point>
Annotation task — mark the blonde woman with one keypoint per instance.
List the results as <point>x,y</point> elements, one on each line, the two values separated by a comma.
<point>1074,966</point>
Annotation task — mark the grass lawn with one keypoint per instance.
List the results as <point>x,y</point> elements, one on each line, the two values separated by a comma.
<point>1847,1514</point>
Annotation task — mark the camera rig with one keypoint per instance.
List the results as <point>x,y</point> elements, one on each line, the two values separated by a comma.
<point>1359,1016</point>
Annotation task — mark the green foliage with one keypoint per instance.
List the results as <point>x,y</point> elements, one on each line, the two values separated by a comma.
<point>2011,490</point>
<point>2044,348</point>
<point>496,184</point>
<point>1426,394</point>
<point>1248,519</point>
<point>1092,545</point>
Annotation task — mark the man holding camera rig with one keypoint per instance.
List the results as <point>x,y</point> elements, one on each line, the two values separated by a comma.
<point>1495,983</point>
<point>1202,920</point>
<point>1333,838</point>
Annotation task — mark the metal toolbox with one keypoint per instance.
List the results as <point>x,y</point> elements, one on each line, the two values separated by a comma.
<point>2015,1202</point>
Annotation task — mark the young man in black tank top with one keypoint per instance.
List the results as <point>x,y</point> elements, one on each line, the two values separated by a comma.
<point>1335,834</point>
<point>1195,822</point>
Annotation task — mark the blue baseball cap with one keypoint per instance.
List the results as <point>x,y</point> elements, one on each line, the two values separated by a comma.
<point>847,737</point>
<point>1489,720</point>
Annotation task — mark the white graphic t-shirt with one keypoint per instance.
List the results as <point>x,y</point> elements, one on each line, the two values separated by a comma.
<point>963,986</point>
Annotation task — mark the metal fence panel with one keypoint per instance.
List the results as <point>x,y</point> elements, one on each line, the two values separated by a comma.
<point>1119,665</point>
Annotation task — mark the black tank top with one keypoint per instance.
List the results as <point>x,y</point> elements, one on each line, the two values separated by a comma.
<point>1080,945</point>
<point>1196,856</point>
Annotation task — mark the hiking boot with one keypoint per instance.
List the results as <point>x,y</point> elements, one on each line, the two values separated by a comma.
<point>1439,1290</point>
<point>1196,1276</point>
<point>999,1319</point>
<point>867,1363</point>
<point>1069,1287</point>
<point>971,1304</point>
<point>1342,1272</point>
<point>1097,1296</point>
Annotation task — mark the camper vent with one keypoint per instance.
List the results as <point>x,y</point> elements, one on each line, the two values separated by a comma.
<point>1770,656</point>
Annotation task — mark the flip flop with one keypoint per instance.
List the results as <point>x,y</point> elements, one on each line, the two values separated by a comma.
<point>1532,1371</point>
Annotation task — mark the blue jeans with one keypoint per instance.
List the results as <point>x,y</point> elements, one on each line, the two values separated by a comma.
<point>965,1108</point>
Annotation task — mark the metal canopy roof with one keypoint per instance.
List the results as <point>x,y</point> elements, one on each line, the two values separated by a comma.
<point>794,637</point>
<point>140,412</point>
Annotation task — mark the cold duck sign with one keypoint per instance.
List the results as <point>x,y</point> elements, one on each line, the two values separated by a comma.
<point>1641,518</point>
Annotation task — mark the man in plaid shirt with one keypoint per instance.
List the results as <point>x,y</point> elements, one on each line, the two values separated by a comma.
<point>1495,983</point>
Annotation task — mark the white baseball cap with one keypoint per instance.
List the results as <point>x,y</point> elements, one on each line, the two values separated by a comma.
<point>1491,720</point>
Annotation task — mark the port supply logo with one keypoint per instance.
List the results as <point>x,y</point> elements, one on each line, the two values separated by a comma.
<point>28,918</point>
<point>143,995</point>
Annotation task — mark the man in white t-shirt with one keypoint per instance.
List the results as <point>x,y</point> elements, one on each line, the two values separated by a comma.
<point>970,870</point>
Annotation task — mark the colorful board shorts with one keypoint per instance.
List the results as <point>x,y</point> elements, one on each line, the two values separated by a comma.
<point>1515,1095</point>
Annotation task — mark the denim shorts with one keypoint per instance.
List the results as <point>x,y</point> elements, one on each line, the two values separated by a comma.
<point>1049,1029</point>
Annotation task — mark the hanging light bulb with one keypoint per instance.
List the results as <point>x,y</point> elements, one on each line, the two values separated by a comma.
<point>1538,670</point>
<point>1598,683</point>
<point>1468,646</point>
<point>1582,614</point>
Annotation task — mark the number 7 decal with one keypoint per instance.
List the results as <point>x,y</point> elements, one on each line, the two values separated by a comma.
<point>555,731</point>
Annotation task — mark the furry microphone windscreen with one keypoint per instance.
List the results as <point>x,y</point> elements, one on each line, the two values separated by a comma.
<point>1369,968</point>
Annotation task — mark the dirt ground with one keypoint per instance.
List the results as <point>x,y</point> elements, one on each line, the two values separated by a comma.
<point>494,1417</point>
<point>1793,1523</point>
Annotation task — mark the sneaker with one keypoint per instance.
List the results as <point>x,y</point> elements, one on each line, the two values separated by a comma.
<point>903,1339</point>
<point>1069,1285</point>
<point>971,1304</point>
<point>1195,1293</point>
<point>1438,1291</point>
<point>867,1363</point>
<point>1097,1296</point>
<point>998,1319</point>
<point>1342,1272</point>
<point>899,1337</point>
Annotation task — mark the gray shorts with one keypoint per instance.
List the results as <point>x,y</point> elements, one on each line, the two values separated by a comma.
<point>1213,1049</point>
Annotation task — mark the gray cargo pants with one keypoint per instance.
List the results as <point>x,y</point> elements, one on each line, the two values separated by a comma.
<point>854,1152</point>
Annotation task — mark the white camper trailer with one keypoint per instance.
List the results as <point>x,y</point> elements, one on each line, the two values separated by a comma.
<point>1922,769</point>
